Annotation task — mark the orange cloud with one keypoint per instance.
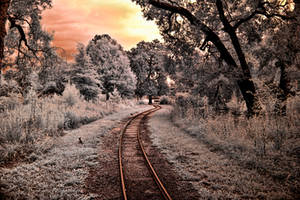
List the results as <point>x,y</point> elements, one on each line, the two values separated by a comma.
<point>76,21</point>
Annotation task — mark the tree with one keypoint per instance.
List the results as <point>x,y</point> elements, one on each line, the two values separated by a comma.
<point>84,75</point>
<point>216,24</point>
<point>147,61</point>
<point>278,59</point>
<point>113,66</point>
<point>206,78</point>
<point>27,47</point>
<point>24,19</point>
<point>4,4</point>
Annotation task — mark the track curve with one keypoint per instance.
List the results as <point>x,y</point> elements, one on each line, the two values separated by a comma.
<point>139,179</point>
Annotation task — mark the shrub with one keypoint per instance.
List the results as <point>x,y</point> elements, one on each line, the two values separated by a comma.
<point>258,140</point>
<point>71,121</point>
<point>191,106</point>
<point>164,100</point>
<point>71,95</point>
<point>24,124</point>
<point>141,102</point>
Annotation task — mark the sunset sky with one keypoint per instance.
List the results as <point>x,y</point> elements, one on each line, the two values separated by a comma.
<point>76,21</point>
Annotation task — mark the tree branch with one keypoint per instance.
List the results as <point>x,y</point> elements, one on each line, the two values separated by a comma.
<point>23,39</point>
<point>211,35</point>
<point>234,39</point>
<point>175,9</point>
<point>204,44</point>
<point>243,20</point>
<point>261,10</point>
<point>167,31</point>
<point>3,18</point>
<point>4,2</point>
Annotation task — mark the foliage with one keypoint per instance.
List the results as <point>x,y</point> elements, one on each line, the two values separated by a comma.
<point>84,75</point>
<point>254,143</point>
<point>219,28</point>
<point>28,51</point>
<point>24,123</point>
<point>112,65</point>
<point>147,61</point>
<point>165,100</point>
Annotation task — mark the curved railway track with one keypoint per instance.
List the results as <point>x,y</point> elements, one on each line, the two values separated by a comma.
<point>139,180</point>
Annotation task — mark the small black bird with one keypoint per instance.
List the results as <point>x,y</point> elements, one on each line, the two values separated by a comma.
<point>80,141</point>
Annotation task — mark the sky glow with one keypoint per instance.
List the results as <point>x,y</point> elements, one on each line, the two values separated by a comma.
<point>76,21</point>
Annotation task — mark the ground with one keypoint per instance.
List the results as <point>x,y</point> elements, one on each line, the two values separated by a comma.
<point>70,170</point>
<point>212,173</point>
<point>61,171</point>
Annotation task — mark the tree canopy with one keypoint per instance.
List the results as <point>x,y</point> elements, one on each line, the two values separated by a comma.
<point>219,27</point>
<point>113,65</point>
<point>147,61</point>
<point>26,48</point>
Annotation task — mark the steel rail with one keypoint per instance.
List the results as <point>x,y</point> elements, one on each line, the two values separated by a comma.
<point>157,180</point>
<point>149,165</point>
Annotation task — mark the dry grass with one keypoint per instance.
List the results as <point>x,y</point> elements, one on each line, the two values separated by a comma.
<point>25,123</point>
<point>268,144</point>
<point>61,171</point>
<point>223,166</point>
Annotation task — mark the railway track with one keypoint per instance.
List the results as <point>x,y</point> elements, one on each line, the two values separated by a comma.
<point>139,180</point>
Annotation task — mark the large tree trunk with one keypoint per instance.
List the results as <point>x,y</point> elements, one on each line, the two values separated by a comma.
<point>4,4</point>
<point>283,91</point>
<point>249,94</point>
<point>107,96</point>
<point>245,83</point>
<point>150,99</point>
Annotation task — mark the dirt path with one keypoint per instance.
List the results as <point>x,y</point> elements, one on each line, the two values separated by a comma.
<point>104,179</point>
<point>212,174</point>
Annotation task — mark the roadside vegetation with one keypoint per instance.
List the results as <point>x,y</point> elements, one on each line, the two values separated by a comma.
<point>25,124</point>
<point>267,143</point>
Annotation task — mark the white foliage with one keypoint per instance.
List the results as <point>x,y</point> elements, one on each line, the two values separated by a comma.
<point>113,66</point>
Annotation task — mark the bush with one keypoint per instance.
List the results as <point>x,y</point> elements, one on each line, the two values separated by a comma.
<point>141,102</point>
<point>71,121</point>
<point>165,100</point>
<point>25,123</point>
<point>259,140</point>
<point>71,95</point>
<point>191,107</point>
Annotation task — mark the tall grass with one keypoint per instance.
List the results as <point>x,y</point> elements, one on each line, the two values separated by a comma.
<point>268,142</point>
<point>27,122</point>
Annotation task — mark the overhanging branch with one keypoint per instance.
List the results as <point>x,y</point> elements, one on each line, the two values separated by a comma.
<point>210,34</point>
